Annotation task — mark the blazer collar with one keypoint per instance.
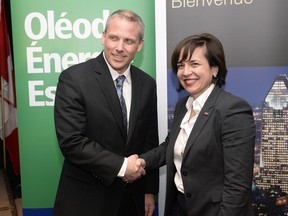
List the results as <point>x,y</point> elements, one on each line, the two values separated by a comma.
<point>203,117</point>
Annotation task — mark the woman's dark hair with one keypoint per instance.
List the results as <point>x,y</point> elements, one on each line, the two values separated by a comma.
<point>214,54</point>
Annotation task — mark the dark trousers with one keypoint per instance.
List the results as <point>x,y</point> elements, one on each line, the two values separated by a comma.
<point>179,208</point>
<point>127,206</point>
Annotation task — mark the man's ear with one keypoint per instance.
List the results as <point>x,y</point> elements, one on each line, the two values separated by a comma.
<point>103,38</point>
<point>140,45</point>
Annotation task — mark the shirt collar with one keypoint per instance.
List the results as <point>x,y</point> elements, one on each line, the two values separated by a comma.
<point>200,101</point>
<point>115,74</point>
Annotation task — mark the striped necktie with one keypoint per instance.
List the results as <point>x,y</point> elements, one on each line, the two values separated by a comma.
<point>119,88</point>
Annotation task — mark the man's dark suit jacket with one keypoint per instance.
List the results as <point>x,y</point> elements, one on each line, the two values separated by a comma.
<point>90,133</point>
<point>217,166</point>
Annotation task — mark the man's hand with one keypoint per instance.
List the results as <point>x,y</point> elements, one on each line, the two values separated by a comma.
<point>135,169</point>
<point>140,162</point>
<point>149,204</point>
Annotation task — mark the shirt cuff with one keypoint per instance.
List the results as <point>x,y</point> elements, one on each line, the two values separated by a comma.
<point>123,168</point>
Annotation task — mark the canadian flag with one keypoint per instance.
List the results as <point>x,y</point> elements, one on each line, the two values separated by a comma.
<point>9,126</point>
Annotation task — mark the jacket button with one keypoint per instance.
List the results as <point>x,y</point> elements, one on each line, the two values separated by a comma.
<point>188,195</point>
<point>184,173</point>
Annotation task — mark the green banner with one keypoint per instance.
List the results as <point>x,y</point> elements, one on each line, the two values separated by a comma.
<point>48,37</point>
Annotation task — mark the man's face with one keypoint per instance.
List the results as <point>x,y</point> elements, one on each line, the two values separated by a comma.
<point>121,42</point>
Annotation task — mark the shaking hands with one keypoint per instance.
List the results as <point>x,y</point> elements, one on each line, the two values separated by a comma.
<point>135,169</point>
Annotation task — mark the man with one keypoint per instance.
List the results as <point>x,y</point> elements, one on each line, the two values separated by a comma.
<point>96,135</point>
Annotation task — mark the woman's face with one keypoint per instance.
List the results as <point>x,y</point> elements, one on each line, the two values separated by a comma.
<point>195,73</point>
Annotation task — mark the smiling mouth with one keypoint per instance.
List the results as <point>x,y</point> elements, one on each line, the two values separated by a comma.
<point>190,82</point>
<point>118,57</point>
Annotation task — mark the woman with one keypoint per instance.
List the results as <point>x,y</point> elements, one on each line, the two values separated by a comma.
<point>209,151</point>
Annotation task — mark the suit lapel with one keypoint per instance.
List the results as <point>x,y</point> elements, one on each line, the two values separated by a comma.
<point>106,83</point>
<point>135,100</point>
<point>178,117</point>
<point>203,117</point>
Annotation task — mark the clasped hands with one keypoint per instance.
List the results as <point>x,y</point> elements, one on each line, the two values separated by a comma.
<point>135,169</point>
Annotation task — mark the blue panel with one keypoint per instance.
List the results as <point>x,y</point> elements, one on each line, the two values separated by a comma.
<point>38,212</point>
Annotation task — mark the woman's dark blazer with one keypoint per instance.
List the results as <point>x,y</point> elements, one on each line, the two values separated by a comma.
<point>217,167</point>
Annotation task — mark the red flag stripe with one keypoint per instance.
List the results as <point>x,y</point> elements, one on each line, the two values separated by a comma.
<point>7,81</point>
